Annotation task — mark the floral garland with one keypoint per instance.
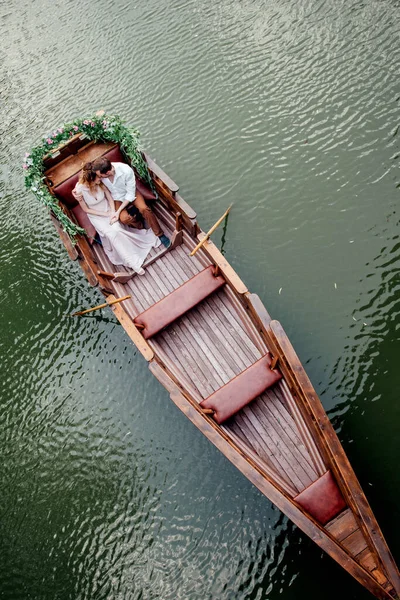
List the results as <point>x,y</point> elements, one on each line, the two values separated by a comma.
<point>101,127</point>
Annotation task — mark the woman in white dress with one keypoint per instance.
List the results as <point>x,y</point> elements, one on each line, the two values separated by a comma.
<point>123,245</point>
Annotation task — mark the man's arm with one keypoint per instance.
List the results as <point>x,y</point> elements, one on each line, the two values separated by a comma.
<point>114,216</point>
<point>130,190</point>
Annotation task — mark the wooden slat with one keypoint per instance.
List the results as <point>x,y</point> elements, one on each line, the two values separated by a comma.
<point>233,340</point>
<point>228,310</point>
<point>218,259</point>
<point>242,316</point>
<point>302,466</point>
<point>343,525</point>
<point>379,576</point>
<point>206,362</point>
<point>186,360</point>
<point>177,268</point>
<point>153,291</point>
<point>224,369</point>
<point>283,447</point>
<point>165,354</point>
<point>139,290</point>
<point>262,446</point>
<point>263,440</point>
<point>355,542</point>
<point>153,166</point>
<point>194,264</point>
<point>303,429</point>
<point>131,330</point>
<point>271,397</point>
<point>180,258</point>
<point>366,559</point>
<point>212,366</point>
<point>234,361</point>
<point>69,246</point>
<point>264,464</point>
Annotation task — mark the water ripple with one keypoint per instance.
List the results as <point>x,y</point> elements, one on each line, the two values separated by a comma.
<point>290,112</point>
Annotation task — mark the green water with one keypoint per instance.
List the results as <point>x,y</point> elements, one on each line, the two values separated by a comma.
<point>290,111</point>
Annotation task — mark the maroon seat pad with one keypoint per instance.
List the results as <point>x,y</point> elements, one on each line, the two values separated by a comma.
<point>64,189</point>
<point>83,221</point>
<point>242,389</point>
<point>322,499</point>
<point>178,302</point>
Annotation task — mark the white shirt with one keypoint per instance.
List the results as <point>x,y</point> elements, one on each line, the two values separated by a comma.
<point>123,187</point>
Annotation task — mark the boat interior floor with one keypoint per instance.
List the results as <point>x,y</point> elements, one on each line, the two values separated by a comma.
<point>211,344</point>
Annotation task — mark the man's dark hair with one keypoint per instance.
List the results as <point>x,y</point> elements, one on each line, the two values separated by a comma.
<point>101,164</point>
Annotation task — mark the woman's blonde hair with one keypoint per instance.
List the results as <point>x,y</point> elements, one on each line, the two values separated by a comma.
<point>88,176</point>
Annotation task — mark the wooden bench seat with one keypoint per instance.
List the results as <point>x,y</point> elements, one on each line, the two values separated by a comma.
<point>241,390</point>
<point>179,302</point>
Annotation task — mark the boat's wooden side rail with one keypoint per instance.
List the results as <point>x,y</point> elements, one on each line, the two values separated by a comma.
<point>219,260</point>
<point>332,451</point>
<point>66,240</point>
<point>130,328</point>
<point>168,192</point>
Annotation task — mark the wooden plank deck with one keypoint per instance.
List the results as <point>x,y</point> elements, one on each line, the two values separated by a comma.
<point>346,530</point>
<point>210,345</point>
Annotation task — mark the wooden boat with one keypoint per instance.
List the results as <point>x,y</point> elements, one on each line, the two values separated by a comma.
<point>231,370</point>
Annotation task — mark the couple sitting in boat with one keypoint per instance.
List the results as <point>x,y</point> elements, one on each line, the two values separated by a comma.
<point>107,193</point>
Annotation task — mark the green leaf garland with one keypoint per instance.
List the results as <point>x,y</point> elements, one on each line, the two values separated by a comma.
<point>102,128</point>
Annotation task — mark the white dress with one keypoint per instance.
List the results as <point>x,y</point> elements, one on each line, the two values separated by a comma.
<point>122,244</point>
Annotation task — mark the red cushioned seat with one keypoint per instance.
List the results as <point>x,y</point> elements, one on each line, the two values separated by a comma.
<point>322,499</point>
<point>115,155</point>
<point>242,389</point>
<point>178,302</point>
<point>63,190</point>
<point>83,221</point>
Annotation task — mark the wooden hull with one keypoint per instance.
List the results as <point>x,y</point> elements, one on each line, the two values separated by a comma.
<point>282,441</point>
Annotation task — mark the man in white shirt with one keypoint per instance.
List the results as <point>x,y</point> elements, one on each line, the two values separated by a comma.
<point>119,178</point>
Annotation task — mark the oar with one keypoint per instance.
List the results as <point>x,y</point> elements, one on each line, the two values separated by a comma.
<point>213,228</point>
<point>88,310</point>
